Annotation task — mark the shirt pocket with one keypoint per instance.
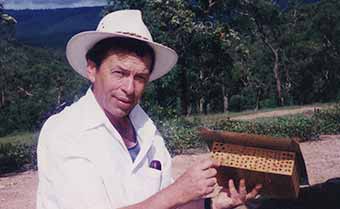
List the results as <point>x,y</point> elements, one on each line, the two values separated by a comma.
<point>151,178</point>
<point>147,183</point>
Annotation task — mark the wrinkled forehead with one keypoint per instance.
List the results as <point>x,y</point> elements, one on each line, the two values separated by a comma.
<point>126,57</point>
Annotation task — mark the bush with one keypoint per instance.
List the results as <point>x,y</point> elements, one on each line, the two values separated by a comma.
<point>180,135</point>
<point>328,120</point>
<point>236,103</point>
<point>18,152</point>
<point>302,126</point>
<point>268,103</point>
<point>293,126</point>
<point>16,157</point>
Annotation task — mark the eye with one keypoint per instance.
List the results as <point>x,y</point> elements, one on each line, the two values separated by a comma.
<point>117,73</point>
<point>141,78</point>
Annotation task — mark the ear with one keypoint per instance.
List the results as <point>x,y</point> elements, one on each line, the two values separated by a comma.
<point>91,70</point>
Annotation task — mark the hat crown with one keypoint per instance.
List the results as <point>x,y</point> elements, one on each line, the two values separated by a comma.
<point>128,22</point>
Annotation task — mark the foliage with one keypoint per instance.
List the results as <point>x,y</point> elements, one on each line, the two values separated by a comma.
<point>7,24</point>
<point>302,126</point>
<point>236,103</point>
<point>33,82</point>
<point>52,28</point>
<point>252,54</point>
<point>14,157</point>
<point>233,55</point>
<point>294,126</point>
<point>180,135</point>
<point>200,79</point>
<point>19,138</point>
<point>328,120</point>
<point>18,152</point>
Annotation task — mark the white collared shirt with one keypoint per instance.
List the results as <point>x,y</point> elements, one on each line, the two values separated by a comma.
<point>83,162</point>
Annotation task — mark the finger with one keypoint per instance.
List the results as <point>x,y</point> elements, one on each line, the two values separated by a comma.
<point>226,190</point>
<point>232,188</point>
<point>208,190</point>
<point>211,182</point>
<point>242,188</point>
<point>211,172</point>
<point>254,192</point>
<point>206,164</point>
<point>216,191</point>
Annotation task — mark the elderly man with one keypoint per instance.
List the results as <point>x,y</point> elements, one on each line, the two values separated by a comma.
<point>97,153</point>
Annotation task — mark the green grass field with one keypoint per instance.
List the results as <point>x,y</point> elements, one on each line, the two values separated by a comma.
<point>19,138</point>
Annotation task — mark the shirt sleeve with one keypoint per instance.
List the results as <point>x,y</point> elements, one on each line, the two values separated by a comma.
<point>67,181</point>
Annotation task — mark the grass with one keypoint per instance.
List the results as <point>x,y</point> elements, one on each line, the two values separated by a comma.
<point>211,119</point>
<point>271,119</point>
<point>19,138</point>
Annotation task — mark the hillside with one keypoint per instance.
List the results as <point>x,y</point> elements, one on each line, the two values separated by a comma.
<point>33,81</point>
<point>53,27</point>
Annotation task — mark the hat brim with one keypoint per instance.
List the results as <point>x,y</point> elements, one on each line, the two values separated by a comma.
<point>78,46</point>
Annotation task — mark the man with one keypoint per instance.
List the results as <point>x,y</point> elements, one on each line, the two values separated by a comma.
<point>96,154</point>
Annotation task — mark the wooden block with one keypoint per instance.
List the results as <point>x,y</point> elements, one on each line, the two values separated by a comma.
<point>276,163</point>
<point>275,170</point>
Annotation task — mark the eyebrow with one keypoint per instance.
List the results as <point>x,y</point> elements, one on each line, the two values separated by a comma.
<point>125,70</point>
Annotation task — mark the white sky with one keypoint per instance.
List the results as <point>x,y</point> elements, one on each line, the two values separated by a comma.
<point>50,4</point>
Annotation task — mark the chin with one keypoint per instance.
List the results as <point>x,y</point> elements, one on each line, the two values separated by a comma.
<point>121,113</point>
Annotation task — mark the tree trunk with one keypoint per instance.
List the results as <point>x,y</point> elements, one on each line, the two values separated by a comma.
<point>201,104</point>
<point>202,99</point>
<point>257,101</point>
<point>60,94</point>
<point>288,83</point>
<point>225,99</point>
<point>280,101</point>
<point>183,91</point>
<point>2,98</point>
<point>205,107</point>
<point>277,78</point>
<point>276,73</point>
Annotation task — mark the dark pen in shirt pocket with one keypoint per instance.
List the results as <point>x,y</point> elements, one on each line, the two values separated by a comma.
<point>156,164</point>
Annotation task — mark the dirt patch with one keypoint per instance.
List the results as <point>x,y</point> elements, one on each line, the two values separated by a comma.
<point>18,191</point>
<point>322,160</point>
<point>277,113</point>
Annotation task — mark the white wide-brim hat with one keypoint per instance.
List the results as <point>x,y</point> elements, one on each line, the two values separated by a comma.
<point>123,23</point>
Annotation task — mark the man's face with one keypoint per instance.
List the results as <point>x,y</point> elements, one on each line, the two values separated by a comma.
<point>119,82</point>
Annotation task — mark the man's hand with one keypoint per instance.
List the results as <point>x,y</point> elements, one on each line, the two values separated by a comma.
<point>231,198</point>
<point>197,182</point>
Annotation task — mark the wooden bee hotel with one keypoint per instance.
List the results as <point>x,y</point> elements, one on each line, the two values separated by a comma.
<point>276,163</point>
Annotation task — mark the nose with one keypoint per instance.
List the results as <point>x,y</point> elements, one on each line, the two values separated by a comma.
<point>129,85</point>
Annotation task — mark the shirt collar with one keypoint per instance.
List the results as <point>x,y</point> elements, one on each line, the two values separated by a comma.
<point>142,123</point>
<point>91,110</point>
<point>144,126</point>
<point>95,116</point>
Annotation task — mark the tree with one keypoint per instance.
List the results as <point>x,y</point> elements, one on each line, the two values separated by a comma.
<point>258,51</point>
<point>188,28</point>
<point>7,24</point>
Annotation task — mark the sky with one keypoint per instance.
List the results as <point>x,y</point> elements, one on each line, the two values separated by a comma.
<point>50,4</point>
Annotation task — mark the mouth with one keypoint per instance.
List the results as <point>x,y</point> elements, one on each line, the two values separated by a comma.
<point>126,103</point>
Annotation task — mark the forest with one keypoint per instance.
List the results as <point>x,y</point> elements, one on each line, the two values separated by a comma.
<point>233,55</point>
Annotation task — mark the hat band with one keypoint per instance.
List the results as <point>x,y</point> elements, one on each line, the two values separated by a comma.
<point>133,34</point>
